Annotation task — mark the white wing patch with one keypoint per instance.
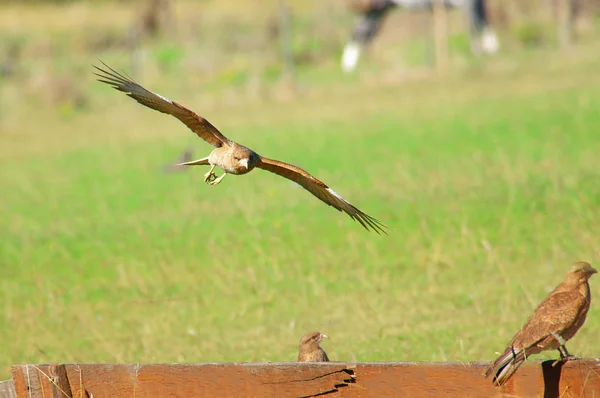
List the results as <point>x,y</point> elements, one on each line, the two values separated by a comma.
<point>337,195</point>
<point>161,97</point>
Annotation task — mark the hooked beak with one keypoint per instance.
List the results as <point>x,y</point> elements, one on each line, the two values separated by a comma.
<point>323,336</point>
<point>244,162</point>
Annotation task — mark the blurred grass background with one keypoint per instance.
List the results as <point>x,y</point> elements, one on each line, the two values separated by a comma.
<point>487,177</point>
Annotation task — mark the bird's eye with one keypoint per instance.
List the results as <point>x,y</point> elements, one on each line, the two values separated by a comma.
<point>236,158</point>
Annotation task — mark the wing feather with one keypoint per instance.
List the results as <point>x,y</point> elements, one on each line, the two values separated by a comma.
<point>321,191</point>
<point>199,125</point>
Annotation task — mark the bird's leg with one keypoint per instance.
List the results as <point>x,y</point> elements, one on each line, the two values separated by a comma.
<point>562,357</point>
<point>565,355</point>
<point>562,350</point>
<point>210,176</point>
<point>559,338</point>
<point>562,347</point>
<point>218,180</point>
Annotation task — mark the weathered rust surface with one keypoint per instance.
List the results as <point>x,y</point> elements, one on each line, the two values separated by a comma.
<point>7,389</point>
<point>60,382</point>
<point>334,379</point>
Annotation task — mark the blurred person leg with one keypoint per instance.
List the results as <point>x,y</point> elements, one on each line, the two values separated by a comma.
<point>372,16</point>
<point>483,37</point>
<point>373,13</point>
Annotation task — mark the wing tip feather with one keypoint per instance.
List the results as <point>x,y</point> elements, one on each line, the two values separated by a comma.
<point>368,222</point>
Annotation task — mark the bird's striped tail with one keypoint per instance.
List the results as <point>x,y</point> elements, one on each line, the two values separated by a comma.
<point>506,365</point>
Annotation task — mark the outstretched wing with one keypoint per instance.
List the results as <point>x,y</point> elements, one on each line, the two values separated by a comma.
<point>195,122</point>
<point>321,191</point>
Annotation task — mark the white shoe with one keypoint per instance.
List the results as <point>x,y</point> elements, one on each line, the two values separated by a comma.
<point>350,56</point>
<point>489,42</point>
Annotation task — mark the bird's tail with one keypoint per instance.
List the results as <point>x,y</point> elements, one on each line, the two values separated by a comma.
<point>186,156</point>
<point>203,161</point>
<point>506,365</point>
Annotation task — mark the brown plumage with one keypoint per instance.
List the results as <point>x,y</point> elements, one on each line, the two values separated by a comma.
<point>309,349</point>
<point>230,156</point>
<point>552,324</point>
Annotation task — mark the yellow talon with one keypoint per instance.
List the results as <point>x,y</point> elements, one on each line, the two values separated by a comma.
<point>210,176</point>
<point>217,180</point>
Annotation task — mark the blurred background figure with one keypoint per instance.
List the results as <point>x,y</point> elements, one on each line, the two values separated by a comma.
<point>10,59</point>
<point>483,38</point>
<point>157,17</point>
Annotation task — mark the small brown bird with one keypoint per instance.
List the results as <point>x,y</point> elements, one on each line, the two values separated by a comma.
<point>552,324</point>
<point>230,156</point>
<point>309,349</point>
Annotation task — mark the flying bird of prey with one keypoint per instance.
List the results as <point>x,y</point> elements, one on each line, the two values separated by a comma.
<point>309,349</point>
<point>230,156</point>
<point>552,324</point>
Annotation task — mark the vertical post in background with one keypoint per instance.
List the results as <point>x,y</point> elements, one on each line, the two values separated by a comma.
<point>153,19</point>
<point>564,18</point>
<point>515,16</point>
<point>285,30</point>
<point>136,57</point>
<point>440,35</point>
<point>426,30</point>
<point>472,28</point>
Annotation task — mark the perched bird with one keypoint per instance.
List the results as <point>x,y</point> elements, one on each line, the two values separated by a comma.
<point>230,156</point>
<point>309,349</point>
<point>552,324</point>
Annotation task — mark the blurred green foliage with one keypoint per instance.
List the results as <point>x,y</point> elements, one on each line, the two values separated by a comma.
<point>168,56</point>
<point>532,34</point>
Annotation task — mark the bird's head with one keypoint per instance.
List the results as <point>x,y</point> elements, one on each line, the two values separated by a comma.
<point>313,338</point>
<point>582,271</point>
<point>245,157</point>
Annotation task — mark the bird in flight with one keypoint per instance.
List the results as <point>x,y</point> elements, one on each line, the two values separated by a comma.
<point>309,349</point>
<point>555,321</point>
<point>230,156</point>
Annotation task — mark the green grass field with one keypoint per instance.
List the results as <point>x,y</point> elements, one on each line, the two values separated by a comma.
<point>488,181</point>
